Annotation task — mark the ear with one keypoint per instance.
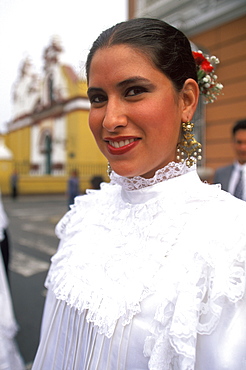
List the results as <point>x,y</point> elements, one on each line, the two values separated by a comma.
<point>190,96</point>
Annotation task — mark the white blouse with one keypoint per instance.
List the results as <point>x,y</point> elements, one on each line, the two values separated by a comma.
<point>149,274</point>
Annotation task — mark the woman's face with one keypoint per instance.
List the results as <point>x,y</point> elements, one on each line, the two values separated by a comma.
<point>135,113</point>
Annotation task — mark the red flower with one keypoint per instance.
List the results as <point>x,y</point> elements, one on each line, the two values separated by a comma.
<point>199,57</point>
<point>202,62</point>
<point>207,80</point>
<point>206,66</point>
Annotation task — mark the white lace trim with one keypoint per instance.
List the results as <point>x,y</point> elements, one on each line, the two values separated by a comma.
<point>173,169</point>
<point>155,247</point>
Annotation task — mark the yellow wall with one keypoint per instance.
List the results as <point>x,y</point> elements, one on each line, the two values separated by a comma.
<point>42,184</point>
<point>19,143</point>
<point>6,169</point>
<point>75,86</point>
<point>81,138</point>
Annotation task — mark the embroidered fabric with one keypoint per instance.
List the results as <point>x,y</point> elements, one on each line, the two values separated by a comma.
<point>158,247</point>
<point>173,169</point>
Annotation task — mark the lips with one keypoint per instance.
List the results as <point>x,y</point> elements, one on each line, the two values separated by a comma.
<point>121,145</point>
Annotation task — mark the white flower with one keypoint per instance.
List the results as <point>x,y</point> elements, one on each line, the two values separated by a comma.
<point>214,60</point>
<point>219,86</point>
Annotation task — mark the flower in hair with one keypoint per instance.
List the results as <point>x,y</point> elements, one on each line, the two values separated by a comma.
<point>207,79</point>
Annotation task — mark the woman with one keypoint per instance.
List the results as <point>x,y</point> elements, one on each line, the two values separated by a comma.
<point>150,271</point>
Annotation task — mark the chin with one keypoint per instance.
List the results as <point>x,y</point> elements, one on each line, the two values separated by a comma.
<point>133,173</point>
<point>125,171</point>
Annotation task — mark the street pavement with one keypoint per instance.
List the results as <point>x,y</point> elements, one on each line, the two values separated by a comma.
<point>32,221</point>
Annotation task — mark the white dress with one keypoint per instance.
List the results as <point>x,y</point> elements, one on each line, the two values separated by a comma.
<point>10,358</point>
<point>149,274</point>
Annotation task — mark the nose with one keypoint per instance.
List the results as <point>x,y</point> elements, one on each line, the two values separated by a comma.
<point>115,116</point>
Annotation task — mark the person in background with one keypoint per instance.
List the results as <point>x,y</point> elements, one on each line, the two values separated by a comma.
<point>14,182</point>
<point>73,187</point>
<point>4,238</point>
<point>150,270</point>
<point>96,182</point>
<point>233,177</point>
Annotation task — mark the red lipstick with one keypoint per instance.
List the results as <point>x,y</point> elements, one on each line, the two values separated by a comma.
<point>124,144</point>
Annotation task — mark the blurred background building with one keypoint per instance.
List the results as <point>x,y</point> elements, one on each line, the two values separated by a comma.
<point>217,27</point>
<point>48,136</point>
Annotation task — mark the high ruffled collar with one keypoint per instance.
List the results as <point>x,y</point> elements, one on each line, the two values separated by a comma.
<point>173,169</point>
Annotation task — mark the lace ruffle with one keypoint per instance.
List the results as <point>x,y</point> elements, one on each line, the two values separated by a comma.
<point>199,301</point>
<point>120,273</point>
<point>211,274</point>
<point>172,170</point>
<point>110,260</point>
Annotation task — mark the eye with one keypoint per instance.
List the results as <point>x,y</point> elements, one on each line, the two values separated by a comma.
<point>135,90</point>
<point>97,98</point>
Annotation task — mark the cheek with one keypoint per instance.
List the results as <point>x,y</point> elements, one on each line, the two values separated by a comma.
<point>94,123</point>
<point>163,118</point>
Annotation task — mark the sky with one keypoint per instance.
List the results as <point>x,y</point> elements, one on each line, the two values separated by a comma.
<point>27,26</point>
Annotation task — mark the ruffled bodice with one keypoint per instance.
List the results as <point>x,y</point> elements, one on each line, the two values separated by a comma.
<point>168,239</point>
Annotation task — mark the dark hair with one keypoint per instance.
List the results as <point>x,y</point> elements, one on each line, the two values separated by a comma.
<point>239,125</point>
<point>167,47</point>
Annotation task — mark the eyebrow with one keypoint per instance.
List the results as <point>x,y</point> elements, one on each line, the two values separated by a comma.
<point>131,80</point>
<point>93,89</point>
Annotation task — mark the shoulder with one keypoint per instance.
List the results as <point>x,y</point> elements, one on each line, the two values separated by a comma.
<point>224,170</point>
<point>216,215</point>
<point>221,205</point>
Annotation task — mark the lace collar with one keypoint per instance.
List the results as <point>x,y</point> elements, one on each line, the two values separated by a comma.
<point>173,169</point>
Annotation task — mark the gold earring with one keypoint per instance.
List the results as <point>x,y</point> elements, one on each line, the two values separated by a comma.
<point>109,170</point>
<point>188,149</point>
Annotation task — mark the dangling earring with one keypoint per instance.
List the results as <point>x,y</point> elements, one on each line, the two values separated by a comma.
<point>188,149</point>
<point>109,170</point>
